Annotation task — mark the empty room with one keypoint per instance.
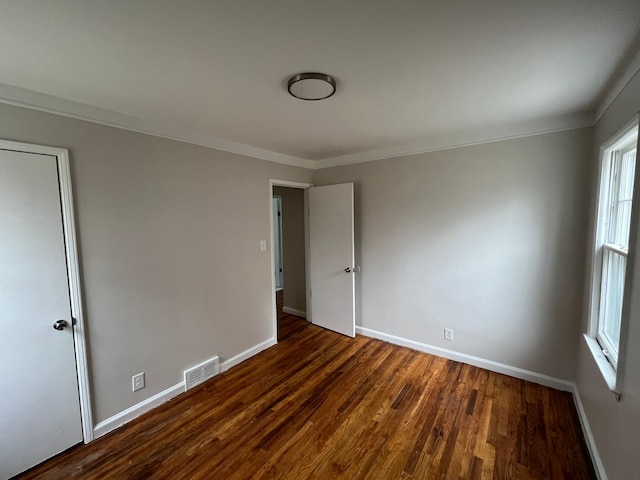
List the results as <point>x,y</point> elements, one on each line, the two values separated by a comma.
<point>340,239</point>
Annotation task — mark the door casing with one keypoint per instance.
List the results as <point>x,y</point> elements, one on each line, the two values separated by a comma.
<point>73,274</point>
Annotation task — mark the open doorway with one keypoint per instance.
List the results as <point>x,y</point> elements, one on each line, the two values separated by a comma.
<point>329,259</point>
<point>289,247</point>
<point>289,255</point>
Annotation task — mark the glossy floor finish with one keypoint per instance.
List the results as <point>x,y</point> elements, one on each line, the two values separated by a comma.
<point>324,406</point>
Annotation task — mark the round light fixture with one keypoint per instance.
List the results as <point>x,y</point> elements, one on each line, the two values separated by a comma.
<point>311,86</point>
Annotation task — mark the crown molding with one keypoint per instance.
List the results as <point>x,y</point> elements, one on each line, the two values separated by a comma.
<point>466,139</point>
<point>22,97</point>
<point>630,71</point>
<point>43,102</point>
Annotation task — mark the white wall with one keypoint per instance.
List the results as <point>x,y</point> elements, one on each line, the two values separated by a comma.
<point>615,425</point>
<point>295,293</point>
<point>488,240</point>
<point>169,247</point>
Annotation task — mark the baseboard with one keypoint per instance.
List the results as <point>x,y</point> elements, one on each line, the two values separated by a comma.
<point>588,435</point>
<point>250,352</point>
<point>497,367</point>
<point>136,410</point>
<point>293,311</point>
<point>144,406</point>
<point>516,372</point>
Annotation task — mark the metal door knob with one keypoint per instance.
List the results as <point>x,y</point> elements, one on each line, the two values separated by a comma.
<point>60,325</point>
<point>347,270</point>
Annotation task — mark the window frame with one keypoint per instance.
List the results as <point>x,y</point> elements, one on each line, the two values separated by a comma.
<point>611,368</point>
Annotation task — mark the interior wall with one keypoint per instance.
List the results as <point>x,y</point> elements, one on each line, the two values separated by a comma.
<point>293,263</point>
<point>169,248</point>
<point>615,425</point>
<point>488,240</point>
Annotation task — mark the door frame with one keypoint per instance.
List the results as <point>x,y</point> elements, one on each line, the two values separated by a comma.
<point>303,186</point>
<point>73,274</point>
<point>278,199</point>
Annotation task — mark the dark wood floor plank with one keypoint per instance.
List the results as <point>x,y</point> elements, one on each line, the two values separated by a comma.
<point>321,405</point>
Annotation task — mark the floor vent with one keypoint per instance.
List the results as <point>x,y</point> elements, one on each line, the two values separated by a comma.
<point>201,373</point>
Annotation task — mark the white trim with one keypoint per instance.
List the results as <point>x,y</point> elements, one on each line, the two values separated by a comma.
<point>606,369</point>
<point>516,372</point>
<point>615,249</point>
<point>136,410</point>
<point>294,311</point>
<point>497,367</point>
<point>23,97</point>
<point>248,353</point>
<point>620,135</point>
<point>290,184</point>
<point>466,139</point>
<point>144,406</point>
<point>630,71</point>
<point>73,273</point>
<point>613,380</point>
<point>588,434</point>
<point>75,291</point>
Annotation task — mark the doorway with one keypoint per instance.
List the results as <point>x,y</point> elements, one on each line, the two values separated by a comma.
<point>329,257</point>
<point>289,254</point>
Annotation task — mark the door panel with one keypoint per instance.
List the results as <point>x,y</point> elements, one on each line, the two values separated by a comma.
<point>331,251</point>
<point>40,414</point>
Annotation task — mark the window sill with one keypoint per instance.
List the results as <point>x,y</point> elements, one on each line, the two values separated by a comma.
<point>607,371</point>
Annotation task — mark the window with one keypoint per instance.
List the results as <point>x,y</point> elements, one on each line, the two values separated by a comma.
<point>618,162</point>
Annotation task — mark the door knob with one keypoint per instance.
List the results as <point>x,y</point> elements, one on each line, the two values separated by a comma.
<point>347,270</point>
<point>60,325</point>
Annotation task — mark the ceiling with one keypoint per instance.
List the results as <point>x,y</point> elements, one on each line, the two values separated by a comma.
<point>412,75</point>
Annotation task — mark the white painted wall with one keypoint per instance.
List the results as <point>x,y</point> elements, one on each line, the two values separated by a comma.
<point>488,240</point>
<point>169,247</point>
<point>615,425</point>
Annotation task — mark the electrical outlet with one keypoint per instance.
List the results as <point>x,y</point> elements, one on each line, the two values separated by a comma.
<point>137,382</point>
<point>263,245</point>
<point>448,334</point>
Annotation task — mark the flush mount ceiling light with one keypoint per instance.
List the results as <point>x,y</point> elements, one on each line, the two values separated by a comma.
<point>311,86</point>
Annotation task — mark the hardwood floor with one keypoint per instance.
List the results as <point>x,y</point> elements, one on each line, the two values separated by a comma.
<point>320,405</point>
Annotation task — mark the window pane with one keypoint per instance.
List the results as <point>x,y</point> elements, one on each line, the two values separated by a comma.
<point>622,208</point>
<point>611,305</point>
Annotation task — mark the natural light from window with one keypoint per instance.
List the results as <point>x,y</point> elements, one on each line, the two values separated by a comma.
<point>618,162</point>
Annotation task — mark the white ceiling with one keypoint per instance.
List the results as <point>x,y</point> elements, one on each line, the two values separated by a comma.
<point>412,74</point>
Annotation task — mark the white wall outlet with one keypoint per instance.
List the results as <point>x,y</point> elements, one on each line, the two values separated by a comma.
<point>263,245</point>
<point>448,334</point>
<point>137,382</point>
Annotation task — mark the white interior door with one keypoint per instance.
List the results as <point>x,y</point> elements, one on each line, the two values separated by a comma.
<point>331,258</point>
<point>40,411</point>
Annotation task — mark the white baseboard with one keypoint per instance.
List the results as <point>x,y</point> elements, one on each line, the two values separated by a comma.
<point>516,372</point>
<point>293,311</point>
<point>588,435</point>
<point>497,367</point>
<point>250,352</point>
<point>130,413</point>
<point>144,406</point>
<point>136,410</point>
